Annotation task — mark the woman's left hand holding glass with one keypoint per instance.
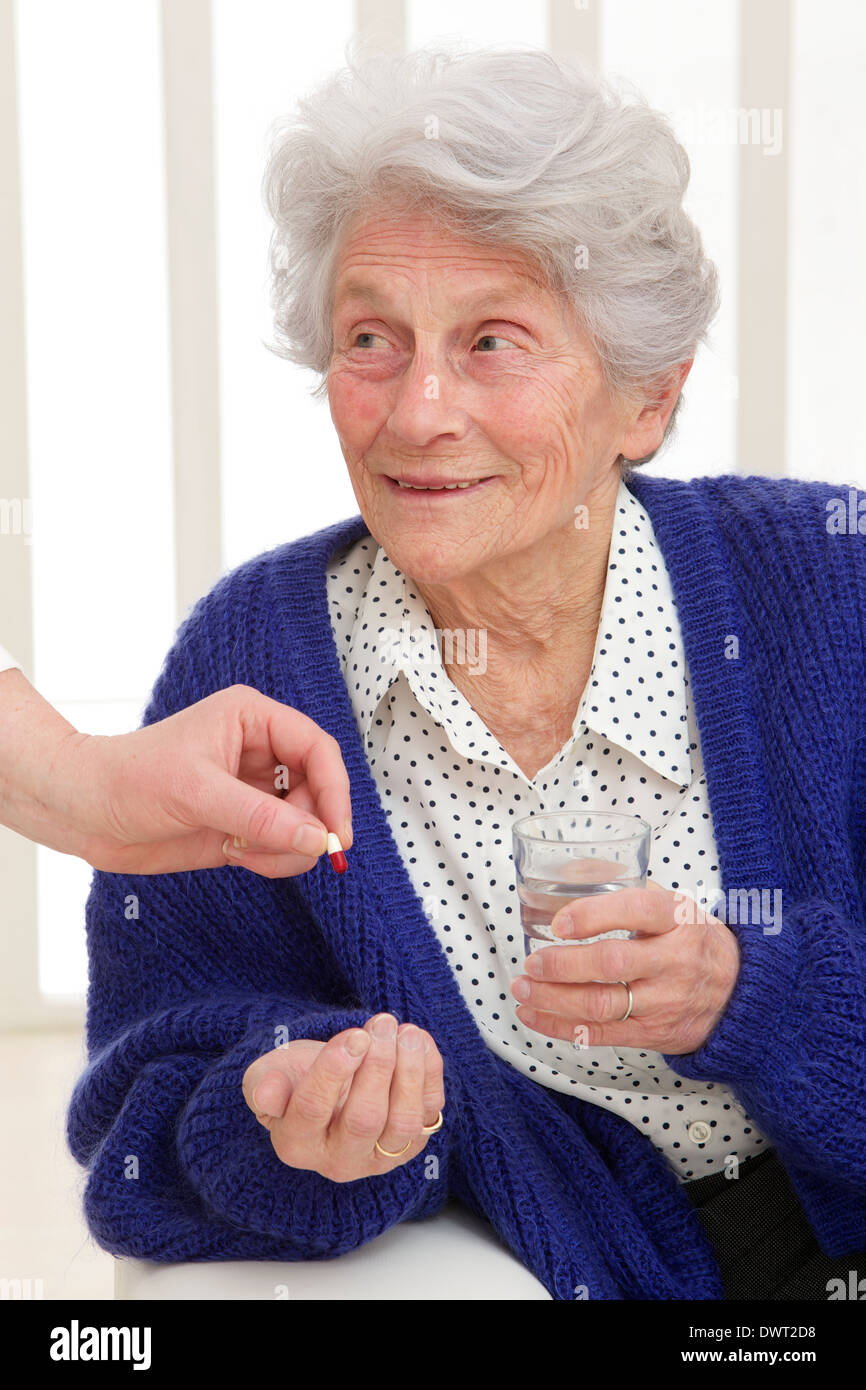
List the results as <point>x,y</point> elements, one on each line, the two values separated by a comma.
<point>681,967</point>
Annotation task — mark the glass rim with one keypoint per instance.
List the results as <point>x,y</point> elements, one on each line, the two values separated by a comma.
<point>641,826</point>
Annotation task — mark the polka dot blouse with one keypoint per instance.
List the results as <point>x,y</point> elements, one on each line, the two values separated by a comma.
<point>451,793</point>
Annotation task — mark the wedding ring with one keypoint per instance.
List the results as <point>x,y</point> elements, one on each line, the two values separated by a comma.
<point>630,1001</point>
<point>425,1129</point>
<point>386,1153</point>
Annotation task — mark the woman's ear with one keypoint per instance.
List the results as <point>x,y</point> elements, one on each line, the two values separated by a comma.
<point>646,429</point>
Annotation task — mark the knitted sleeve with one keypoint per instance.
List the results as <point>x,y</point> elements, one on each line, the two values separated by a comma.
<point>191,977</point>
<point>791,1039</point>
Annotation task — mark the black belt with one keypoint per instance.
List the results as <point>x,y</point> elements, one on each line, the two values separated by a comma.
<point>761,1236</point>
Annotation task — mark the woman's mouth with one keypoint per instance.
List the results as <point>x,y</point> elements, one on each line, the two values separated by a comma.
<point>437,489</point>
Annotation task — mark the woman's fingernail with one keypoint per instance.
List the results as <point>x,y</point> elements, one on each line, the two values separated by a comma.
<point>346,834</point>
<point>564,925</point>
<point>309,840</point>
<point>358,1042</point>
<point>385,1027</point>
<point>229,849</point>
<point>410,1039</point>
<point>239,842</point>
<point>521,989</point>
<point>260,1109</point>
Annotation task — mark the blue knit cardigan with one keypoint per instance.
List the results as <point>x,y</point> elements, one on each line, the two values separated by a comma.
<point>183,996</point>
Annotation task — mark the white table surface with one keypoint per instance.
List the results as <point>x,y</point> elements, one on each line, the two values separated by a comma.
<point>450,1256</point>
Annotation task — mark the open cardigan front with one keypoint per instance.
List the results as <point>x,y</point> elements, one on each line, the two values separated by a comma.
<point>220,966</point>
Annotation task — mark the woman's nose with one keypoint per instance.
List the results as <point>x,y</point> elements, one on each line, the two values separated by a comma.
<point>428,403</point>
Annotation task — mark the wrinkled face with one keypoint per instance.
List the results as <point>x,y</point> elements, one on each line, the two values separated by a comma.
<point>452,363</point>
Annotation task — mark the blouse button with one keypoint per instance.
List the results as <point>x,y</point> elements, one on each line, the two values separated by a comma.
<point>699,1132</point>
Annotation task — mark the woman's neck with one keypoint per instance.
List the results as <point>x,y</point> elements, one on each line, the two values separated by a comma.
<point>533,618</point>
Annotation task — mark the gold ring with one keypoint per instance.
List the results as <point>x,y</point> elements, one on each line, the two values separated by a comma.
<point>435,1127</point>
<point>387,1153</point>
<point>630,1001</point>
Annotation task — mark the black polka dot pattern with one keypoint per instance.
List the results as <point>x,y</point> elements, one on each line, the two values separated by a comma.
<point>452,792</point>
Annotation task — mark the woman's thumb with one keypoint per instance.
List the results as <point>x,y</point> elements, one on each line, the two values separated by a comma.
<point>261,820</point>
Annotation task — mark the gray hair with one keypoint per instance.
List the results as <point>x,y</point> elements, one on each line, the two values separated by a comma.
<point>506,145</point>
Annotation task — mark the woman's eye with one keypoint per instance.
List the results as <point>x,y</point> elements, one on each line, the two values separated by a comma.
<point>492,338</point>
<point>359,336</point>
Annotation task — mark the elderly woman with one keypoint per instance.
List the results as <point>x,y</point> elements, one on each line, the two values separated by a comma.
<point>486,259</point>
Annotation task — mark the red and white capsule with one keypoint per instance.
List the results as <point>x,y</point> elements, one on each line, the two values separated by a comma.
<point>336,854</point>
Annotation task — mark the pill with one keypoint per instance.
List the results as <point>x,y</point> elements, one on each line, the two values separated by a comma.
<point>336,855</point>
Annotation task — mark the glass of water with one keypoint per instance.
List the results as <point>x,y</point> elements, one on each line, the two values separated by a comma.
<point>565,855</point>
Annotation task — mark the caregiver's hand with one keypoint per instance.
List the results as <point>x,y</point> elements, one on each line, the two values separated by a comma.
<point>681,973</point>
<point>176,794</point>
<point>326,1104</point>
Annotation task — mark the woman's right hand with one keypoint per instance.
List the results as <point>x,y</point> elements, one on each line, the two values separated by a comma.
<point>326,1105</point>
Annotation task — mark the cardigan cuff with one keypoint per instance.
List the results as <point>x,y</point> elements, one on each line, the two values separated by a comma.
<point>229,1159</point>
<point>758,1008</point>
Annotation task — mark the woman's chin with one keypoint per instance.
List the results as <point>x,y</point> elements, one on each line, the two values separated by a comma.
<point>432,556</point>
<point>432,564</point>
